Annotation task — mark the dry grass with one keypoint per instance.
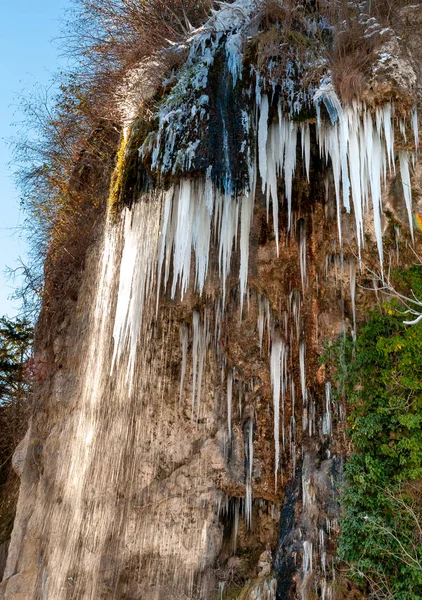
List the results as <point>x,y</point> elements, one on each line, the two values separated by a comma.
<point>350,52</point>
<point>351,60</point>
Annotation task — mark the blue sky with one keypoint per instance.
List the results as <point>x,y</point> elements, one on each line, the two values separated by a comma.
<point>29,55</point>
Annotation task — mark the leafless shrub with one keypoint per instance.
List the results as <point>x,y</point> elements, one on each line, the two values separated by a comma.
<point>110,37</point>
<point>64,155</point>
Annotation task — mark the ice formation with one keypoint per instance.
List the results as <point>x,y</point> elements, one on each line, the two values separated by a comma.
<point>200,343</point>
<point>137,277</point>
<point>184,340</point>
<point>264,317</point>
<point>307,557</point>
<point>353,293</point>
<point>194,212</point>
<point>277,364</point>
<point>359,146</point>
<point>326,418</point>
<point>229,403</point>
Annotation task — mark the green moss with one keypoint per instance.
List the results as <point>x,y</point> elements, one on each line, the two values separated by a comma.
<point>130,175</point>
<point>117,177</point>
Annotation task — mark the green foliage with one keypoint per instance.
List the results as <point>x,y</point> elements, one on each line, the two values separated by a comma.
<point>381,378</point>
<point>15,347</point>
<point>15,343</point>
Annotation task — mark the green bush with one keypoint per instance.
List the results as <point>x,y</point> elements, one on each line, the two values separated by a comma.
<point>381,378</point>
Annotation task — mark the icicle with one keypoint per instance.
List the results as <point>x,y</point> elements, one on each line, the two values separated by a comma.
<point>359,152</point>
<point>293,426</point>
<point>283,390</point>
<point>334,151</point>
<point>415,127</point>
<point>407,189</point>
<point>307,558</point>
<point>262,140</point>
<point>261,322</point>
<point>327,94</point>
<point>165,244</point>
<point>276,351</point>
<point>372,143</point>
<point>201,232</point>
<point>302,255</point>
<point>191,210</point>
<point>358,149</point>
<point>221,588</point>
<point>326,419</point>
<point>248,504</point>
<point>182,238</point>
<point>247,206</point>
<point>311,417</point>
<point>199,351</point>
<point>289,167</point>
<point>203,347</point>
<point>183,336</point>
<point>250,443</point>
<point>249,469</point>
<point>271,184</point>
<point>352,266</point>
<point>269,322</point>
<point>389,134</point>
<point>397,237</point>
<point>355,167</point>
<point>229,403</point>
<point>305,417</point>
<point>302,351</point>
<point>228,231</point>
<point>236,523</point>
<point>343,134</point>
<point>402,126</point>
<point>195,351</point>
<point>322,550</point>
<point>306,146</point>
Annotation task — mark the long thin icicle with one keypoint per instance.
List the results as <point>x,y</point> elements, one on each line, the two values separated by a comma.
<point>229,403</point>
<point>407,189</point>
<point>262,140</point>
<point>183,336</point>
<point>275,366</point>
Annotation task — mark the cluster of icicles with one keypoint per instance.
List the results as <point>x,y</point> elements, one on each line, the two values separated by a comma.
<point>359,147</point>
<point>361,151</point>
<point>195,214</point>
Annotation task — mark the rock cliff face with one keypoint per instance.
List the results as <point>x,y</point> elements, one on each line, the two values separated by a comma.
<point>185,441</point>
